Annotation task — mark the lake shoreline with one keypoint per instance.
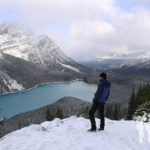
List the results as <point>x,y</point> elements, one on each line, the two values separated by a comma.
<point>55,82</point>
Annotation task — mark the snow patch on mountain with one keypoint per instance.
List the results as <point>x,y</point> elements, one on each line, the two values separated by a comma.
<point>12,84</point>
<point>70,67</point>
<point>9,84</point>
<point>71,134</point>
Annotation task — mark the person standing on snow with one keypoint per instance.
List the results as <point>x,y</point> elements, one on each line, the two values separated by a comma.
<point>101,96</point>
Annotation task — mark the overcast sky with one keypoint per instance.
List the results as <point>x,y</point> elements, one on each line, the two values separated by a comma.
<point>85,29</point>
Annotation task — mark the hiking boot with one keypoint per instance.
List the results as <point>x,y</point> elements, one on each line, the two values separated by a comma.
<point>92,129</point>
<point>100,129</point>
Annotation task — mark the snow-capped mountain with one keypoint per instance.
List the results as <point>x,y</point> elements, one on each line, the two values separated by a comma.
<point>132,55</point>
<point>27,60</point>
<point>71,133</point>
<point>136,60</point>
<point>39,49</point>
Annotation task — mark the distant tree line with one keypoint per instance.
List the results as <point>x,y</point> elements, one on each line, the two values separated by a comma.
<point>137,100</point>
<point>113,111</point>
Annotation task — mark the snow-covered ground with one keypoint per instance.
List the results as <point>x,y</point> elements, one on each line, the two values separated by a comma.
<point>71,134</point>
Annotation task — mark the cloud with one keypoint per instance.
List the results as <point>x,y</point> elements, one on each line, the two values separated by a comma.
<point>91,29</point>
<point>87,29</point>
<point>142,1</point>
<point>69,11</point>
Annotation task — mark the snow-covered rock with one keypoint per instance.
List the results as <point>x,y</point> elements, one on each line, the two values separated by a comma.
<point>9,84</point>
<point>71,134</point>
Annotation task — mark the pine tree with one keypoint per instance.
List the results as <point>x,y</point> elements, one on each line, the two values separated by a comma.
<point>109,111</point>
<point>59,113</point>
<point>143,96</point>
<point>1,125</point>
<point>139,96</point>
<point>1,122</point>
<point>119,112</point>
<point>49,115</point>
<point>131,106</point>
<point>116,112</point>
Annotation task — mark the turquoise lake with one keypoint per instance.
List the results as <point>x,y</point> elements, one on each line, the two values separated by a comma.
<point>14,103</point>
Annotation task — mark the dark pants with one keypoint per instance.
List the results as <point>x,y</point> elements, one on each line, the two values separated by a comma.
<point>100,107</point>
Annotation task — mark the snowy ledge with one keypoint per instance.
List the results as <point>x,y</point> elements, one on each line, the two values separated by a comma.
<point>71,134</point>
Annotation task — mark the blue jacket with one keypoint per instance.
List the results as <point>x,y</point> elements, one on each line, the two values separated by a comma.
<point>102,92</point>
